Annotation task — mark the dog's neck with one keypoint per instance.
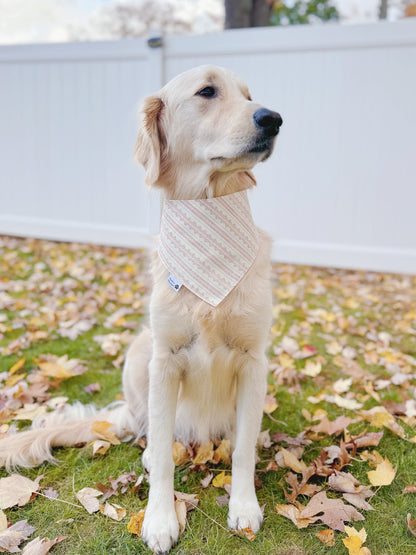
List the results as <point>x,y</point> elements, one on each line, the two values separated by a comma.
<point>185,185</point>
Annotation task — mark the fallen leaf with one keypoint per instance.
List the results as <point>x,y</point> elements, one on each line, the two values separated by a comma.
<point>334,511</point>
<point>101,430</point>
<point>100,447</point>
<point>50,493</point>
<point>288,460</point>
<point>410,489</point>
<point>327,537</point>
<point>88,499</point>
<point>355,540</point>
<point>41,547</point>
<point>204,453</point>
<point>411,524</point>
<point>383,475</point>
<point>223,452</point>
<point>295,515</point>
<point>3,521</point>
<point>221,479</point>
<point>17,490</point>
<point>14,535</point>
<point>135,523</point>
<point>248,533</point>
<point>113,511</point>
<point>180,509</point>
<point>180,453</point>
<point>205,482</point>
<point>270,404</point>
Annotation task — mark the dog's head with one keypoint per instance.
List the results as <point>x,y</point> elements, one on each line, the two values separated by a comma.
<point>202,123</point>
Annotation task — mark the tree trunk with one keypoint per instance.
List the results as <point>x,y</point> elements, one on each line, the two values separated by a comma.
<point>247,13</point>
<point>383,9</point>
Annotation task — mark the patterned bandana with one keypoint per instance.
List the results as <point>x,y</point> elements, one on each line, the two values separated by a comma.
<point>208,245</point>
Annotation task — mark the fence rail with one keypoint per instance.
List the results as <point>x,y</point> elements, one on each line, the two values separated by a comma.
<point>340,189</point>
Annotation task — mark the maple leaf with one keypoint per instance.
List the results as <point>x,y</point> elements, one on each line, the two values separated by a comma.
<point>355,540</point>
<point>332,427</point>
<point>383,475</point>
<point>17,490</point>
<point>299,488</point>
<point>295,515</point>
<point>14,535</point>
<point>334,511</point>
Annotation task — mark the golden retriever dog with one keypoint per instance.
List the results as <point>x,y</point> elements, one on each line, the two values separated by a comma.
<point>199,371</point>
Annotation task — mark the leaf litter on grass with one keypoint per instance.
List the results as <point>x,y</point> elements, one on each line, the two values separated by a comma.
<point>342,346</point>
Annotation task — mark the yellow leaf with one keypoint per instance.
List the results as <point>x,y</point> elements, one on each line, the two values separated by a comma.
<point>290,461</point>
<point>100,447</point>
<point>100,430</point>
<point>351,531</point>
<point>383,475</point>
<point>135,524</point>
<point>179,453</point>
<point>270,404</point>
<point>353,544</point>
<point>17,366</point>
<point>312,369</point>
<point>204,453</point>
<point>223,452</point>
<point>54,370</point>
<point>286,361</point>
<point>327,537</point>
<point>221,480</point>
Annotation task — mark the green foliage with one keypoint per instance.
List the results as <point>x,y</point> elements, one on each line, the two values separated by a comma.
<point>302,12</point>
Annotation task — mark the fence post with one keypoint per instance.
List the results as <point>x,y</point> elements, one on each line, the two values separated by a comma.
<point>155,82</point>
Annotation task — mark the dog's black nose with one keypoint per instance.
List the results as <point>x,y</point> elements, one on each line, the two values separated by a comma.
<point>268,121</point>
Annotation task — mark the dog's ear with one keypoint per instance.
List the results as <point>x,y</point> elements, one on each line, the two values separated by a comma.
<point>150,142</point>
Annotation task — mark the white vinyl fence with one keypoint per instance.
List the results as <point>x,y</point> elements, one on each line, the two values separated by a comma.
<point>340,189</point>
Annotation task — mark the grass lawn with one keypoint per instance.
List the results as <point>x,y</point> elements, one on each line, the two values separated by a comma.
<point>342,342</point>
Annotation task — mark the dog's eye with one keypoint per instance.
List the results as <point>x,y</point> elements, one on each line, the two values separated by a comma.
<point>207,92</point>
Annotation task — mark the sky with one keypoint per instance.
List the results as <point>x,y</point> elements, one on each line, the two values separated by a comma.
<point>27,21</point>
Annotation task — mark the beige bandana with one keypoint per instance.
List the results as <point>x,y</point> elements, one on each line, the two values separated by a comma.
<point>208,245</point>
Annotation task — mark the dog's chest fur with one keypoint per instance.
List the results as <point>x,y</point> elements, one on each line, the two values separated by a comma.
<point>209,346</point>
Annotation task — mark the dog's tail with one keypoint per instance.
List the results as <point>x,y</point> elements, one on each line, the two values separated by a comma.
<point>62,428</point>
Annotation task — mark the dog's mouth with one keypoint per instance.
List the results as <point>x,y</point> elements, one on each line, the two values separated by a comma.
<point>259,145</point>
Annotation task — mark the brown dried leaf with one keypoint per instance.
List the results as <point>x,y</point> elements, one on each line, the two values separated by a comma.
<point>113,511</point>
<point>41,547</point>
<point>88,499</point>
<point>334,511</point>
<point>14,535</point>
<point>410,489</point>
<point>17,490</point>
<point>327,537</point>
<point>295,515</point>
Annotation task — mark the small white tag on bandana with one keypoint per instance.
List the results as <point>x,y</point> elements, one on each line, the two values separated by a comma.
<point>208,245</point>
<point>174,283</point>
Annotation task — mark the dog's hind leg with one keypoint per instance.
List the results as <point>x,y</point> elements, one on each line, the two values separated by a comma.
<point>244,510</point>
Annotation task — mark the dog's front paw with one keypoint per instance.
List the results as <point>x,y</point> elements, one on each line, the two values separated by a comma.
<point>160,530</point>
<point>245,514</point>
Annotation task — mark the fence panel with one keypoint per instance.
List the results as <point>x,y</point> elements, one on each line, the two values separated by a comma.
<point>339,190</point>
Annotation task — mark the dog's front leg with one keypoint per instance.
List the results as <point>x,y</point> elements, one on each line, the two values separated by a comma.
<point>160,527</point>
<point>244,510</point>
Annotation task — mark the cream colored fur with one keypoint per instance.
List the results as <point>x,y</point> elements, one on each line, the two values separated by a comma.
<point>199,372</point>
